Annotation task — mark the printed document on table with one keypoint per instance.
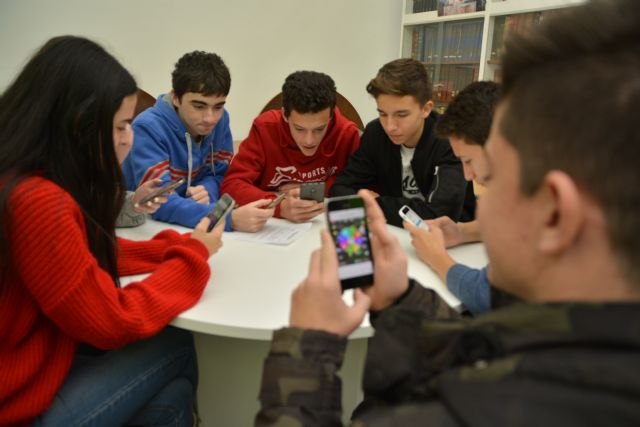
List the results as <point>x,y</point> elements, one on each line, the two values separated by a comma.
<point>276,231</point>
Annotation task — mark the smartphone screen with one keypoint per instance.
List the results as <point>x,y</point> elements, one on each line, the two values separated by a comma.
<point>223,206</point>
<point>162,191</point>
<point>347,220</point>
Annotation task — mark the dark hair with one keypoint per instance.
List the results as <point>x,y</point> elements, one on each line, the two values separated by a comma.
<point>402,77</point>
<point>201,72</point>
<point>308,92</point>
<point>570,91</point>
<point>56,119</point>
<point>470,113</point>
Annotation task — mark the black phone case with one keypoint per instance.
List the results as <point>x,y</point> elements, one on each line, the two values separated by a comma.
<point>312,191</point>
<point>346,202</point>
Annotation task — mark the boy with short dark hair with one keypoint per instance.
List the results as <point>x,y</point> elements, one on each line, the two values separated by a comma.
<point>308,140</point>
<point>466,123</point>
<point>400,156</point>
<point>187,134</point>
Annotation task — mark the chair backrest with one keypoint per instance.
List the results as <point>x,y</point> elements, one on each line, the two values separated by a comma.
<point>342,103</point>
<point>145,100</point>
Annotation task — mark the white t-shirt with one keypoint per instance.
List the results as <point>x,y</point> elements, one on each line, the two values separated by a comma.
<point>410,189</point>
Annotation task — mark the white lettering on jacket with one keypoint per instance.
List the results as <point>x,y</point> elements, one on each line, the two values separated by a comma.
<point>284,174</point>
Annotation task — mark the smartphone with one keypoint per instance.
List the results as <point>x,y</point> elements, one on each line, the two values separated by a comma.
<point>411,216</point>
<point>347,221</point>
<point>162,191</point>
<point>223,206</point>
<point>312,191</point>
<point>275,201</point>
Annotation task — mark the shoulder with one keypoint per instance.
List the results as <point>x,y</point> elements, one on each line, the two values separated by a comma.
<point>374,125</point>
<point>225,119</point>
<point>344,123</point>
<point>269,118</point>
<point>374,130</point>
<point>438,414</point>
<point>38,196</point>
<point>374,136</point>
<point>35,187</point>
<point>160,116</point>
<point>430,136</point>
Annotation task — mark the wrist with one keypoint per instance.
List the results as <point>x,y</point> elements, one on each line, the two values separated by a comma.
<point>410,285</point>
<point>232,222</point>
<point>441,263</point>
<point>469,231</point>
<point>375,311</point>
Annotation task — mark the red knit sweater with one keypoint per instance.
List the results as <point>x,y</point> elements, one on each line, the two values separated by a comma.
<point>56,295</point>
<point>269,158</point>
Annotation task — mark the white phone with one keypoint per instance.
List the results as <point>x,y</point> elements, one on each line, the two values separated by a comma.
<point>409,214</point>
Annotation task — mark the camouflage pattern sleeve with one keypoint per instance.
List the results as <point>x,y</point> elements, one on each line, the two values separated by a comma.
<point>420,299</point>
<point>300,386</point>
<point>402,336</point>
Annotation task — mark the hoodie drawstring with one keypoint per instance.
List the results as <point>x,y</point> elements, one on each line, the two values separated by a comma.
<point>189,158</point>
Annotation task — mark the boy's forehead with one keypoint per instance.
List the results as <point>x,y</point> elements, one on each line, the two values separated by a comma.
<point>206,99</point>
<point>310,120</point>
<point>396,102</point>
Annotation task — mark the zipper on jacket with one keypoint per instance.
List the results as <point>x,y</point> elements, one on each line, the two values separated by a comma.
<point>435,188</point>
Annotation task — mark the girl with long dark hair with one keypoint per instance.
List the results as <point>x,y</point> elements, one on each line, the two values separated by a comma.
<point>75,348</point>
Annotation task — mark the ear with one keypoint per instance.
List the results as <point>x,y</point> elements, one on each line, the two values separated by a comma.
<point>284,116</point>
<point>175,100</point>
<point>564,213</point>
<point>426,109</point>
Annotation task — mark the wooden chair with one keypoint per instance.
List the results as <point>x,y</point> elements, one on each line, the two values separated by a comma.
<point>342,103</point>
<point>145,100</point>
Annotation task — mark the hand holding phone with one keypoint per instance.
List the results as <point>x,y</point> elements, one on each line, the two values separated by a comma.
<point>347,220</point>
<point>162,191</point>
<point>276,201</point>
<point>312,191</point>
<point>411,216</point>
<point>223,206</point>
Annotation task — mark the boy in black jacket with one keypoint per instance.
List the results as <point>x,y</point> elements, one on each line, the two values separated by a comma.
<point>400,158</point>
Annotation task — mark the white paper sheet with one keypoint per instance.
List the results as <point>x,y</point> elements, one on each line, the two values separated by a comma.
<point>275,232</point>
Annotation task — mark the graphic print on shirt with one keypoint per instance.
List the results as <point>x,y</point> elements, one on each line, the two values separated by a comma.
<point>282,175</point>
<point>285,174</point>
<point>410,187</point>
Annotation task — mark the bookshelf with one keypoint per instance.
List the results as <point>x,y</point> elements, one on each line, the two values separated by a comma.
<point>460,41</point>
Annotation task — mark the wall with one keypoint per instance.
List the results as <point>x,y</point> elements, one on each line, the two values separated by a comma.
<point>261,41</point>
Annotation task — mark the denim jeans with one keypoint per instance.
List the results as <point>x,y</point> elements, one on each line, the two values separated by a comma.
<point>146,383</point>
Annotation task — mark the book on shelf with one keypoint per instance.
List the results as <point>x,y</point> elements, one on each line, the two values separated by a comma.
<point>449,42</point>
<point>424,5</point>
<point>454,7</point>
<point>513,24</point>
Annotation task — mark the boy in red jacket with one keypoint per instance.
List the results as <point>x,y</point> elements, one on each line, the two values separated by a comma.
<point>308,140</point>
